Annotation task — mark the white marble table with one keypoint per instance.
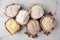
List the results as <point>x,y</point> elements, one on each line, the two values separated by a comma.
<point>49,5</point>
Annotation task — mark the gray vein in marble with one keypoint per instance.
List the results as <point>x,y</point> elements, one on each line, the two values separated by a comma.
<point>56,7</point>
